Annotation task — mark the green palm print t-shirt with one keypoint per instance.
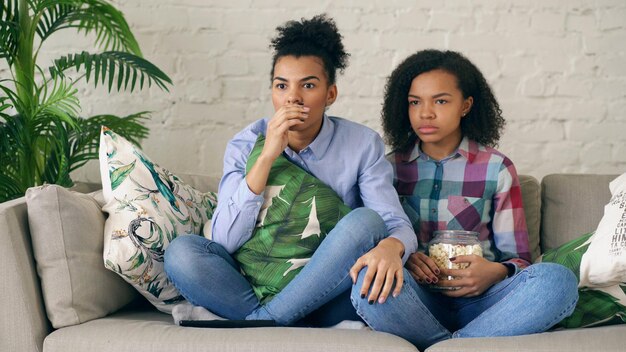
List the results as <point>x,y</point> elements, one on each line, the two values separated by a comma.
<point>298,212</point>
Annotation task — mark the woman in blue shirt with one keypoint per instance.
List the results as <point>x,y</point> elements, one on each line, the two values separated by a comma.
<point>346,156</point>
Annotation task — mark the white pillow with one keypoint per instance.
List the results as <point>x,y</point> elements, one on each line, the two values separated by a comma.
<point>148,207</point>
<point>604,263</point>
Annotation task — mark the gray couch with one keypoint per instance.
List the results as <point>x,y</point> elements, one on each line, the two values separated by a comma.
<point>557,210</point>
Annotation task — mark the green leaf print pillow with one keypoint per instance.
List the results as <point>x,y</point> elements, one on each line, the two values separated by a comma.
<point>298,212</point>
<point>148,207</point>
<point>596,305</point>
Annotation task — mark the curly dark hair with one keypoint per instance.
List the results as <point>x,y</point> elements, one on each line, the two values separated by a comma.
<point>315,37</point>
<point>483,123</point>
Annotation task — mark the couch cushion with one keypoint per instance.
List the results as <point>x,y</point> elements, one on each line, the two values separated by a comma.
<point>572,204</point>
<point>66,230</point>
<point>155,332</point>
<point>148,207</point>
<point>610,338</point>
<point>531,198</point>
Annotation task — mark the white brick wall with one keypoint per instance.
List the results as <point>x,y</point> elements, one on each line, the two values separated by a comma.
<point>558,68</point>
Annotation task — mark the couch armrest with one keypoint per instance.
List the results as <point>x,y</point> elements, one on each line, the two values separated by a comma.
<point>23,322</point>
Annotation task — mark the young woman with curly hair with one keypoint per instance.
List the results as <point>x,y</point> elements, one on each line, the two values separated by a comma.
<point>377,236</point>
<point>442,121</point>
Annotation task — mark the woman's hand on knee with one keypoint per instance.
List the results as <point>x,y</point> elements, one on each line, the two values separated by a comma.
<point>384,266</point>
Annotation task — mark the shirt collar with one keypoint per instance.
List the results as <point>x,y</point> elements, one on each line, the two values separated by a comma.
<point>467,149</point>
<point>321,143</point>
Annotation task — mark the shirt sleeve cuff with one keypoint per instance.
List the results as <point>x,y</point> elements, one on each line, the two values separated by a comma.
<point>511,268</point>
<point>409,241</point>
<point>246,200</point>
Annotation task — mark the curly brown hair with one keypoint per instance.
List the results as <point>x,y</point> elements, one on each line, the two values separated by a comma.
<point>483,123</point>
<point>315,37</point>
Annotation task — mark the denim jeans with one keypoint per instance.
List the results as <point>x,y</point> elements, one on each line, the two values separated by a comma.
<point>531,301</point>
<point>206,275</point>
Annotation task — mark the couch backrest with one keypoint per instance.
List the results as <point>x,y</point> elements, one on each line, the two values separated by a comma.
<point>531,197</point>
<point>572,205</point>
<point>202,183</point>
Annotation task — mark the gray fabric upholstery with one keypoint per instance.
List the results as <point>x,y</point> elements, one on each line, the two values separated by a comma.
<point>203,183</point>
<point>606,339</point>
<point>23,322</point>
<point>531,197</point>
<point>154,332</point>
<point>572,205</point>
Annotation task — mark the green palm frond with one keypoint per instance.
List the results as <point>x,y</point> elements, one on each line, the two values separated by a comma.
<point>59,100</point>
<point>32,152</point>
<point>42,136</point>
<point>54,17</point>
<point>11,98</point>
<point>57,161</point>
<point>98,16</point>
<point>127,67</point>
<point>34,146</point>
<point>85,141</point>
<point>4,105</point>
<point>9,30</point>
<point>11,185</point>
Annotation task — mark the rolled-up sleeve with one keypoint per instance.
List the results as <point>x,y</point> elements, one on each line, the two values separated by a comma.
<point>378,194</point>
<point>238,207</point>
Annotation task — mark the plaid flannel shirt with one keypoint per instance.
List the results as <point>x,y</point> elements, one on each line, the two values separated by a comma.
<point>476,188</point>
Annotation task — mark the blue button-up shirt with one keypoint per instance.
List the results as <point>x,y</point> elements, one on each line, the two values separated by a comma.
<point>346,156</point>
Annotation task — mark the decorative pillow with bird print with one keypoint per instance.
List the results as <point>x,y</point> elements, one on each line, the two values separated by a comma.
<point>148,207</point>
<point>298,212</point>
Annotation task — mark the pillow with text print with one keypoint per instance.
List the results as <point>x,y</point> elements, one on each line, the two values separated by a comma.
<point>148,207</point>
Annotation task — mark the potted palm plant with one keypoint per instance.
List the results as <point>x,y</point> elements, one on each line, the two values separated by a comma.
<point>43,137</point>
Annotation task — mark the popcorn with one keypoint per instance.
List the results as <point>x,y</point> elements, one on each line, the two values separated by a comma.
<point>441,253</point>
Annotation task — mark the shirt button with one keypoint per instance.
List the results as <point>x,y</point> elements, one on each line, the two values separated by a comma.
<point>434,210</point>
<point>465,200</point>
<point>436,186</point>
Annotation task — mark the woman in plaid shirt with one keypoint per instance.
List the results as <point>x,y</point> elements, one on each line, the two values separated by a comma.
<point>442,121</point>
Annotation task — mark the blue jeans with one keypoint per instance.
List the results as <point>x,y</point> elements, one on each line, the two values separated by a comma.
<point>531,301</point>
<point>206,275</point>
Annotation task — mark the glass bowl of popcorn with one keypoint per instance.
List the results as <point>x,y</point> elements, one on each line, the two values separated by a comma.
<point>453,243</point>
